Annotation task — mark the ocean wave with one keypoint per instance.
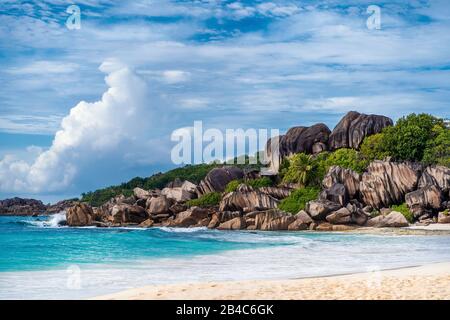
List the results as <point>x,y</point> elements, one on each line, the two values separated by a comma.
<point>56,220</point>
<point>182,230</point>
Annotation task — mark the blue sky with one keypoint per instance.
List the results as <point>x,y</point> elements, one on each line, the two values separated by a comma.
<point>231,64</point>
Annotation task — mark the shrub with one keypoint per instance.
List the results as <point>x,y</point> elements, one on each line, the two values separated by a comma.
<point>410,136</point>
<point>306,170</point>
<point>232,185</point>
<point>437,150</point>
<point>260,182</point>
<point>403,209</point>
<point>207,200</point>
<point>347,158</point>
<point>298,199</point>
<point>373,148</point>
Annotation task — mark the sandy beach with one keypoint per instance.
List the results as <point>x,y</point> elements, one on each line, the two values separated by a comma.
<point>421,282</point>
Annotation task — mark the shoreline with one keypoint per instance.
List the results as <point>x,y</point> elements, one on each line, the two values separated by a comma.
<point>430,281</point>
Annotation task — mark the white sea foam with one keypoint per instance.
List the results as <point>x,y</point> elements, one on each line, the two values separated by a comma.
<point>56,220</point>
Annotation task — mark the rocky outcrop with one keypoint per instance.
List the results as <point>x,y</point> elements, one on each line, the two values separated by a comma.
<point>217,179</point>
<point>423,201</point>
<point>140,193</point>
<point>245,198</point>
<point>336,193</point>
<point>158,205</point>
<point>128,214</point>
<point>81,214</point>
<point>186,191</point>
<point>394,220</point>
<point>354,127</point>
<point>444,217</point>
<point>303,139</point>
<point>349,178</point>
<point>341,216</point>
<point>276,192</point>
<point>190,217</point>
<point>319,209</point>
<point>60,206</point>
<point>436,176</point>
<point>22,207</point>
<point>237,223</point>
<point>273,220</point>
<point>386,183</point>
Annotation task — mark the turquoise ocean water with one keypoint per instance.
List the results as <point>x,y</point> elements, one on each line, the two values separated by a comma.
<point>40,259</point>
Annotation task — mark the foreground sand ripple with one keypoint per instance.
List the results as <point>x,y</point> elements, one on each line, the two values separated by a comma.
<point>424,282</point>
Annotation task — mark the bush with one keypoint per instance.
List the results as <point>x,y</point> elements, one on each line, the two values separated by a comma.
<point>232,185</point>
<point>207,200</point>
<point>410,136</point>
<point>298,199</point>
<point>305,170</point>
<point>259,183</point>
<point>403,209</point>
<point>373,148</point>
<point>347,158</point>
<point>437,150</point>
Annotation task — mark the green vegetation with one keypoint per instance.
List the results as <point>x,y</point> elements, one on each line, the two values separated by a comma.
<point>259,183</point>
<point>207,200</point>
<point>298,199</point>
<point>305,170</point>
<point>254,183</point>
<point>411,135</point>
<point>437,150</point>
<point>445,212</point>
<point>232,185</point>
<point>403,209</point>
<point>347,158</point>
<point>373,148</point>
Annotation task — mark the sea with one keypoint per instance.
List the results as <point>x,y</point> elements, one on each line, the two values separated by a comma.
<point>42,258</point>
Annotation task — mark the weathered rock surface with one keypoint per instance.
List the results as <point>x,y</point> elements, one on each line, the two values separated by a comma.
<point>297,225</point>
<point>319,209</point>
<point>158,205</point>
<point>436,175</point>
<point>341,216</point>
<point>81,214</point>
<point>276,192</point>
<point>336,193</point>
<point>126,213</point>
<point>273,220</point>
<point>21,207</point>
<point>140,193</point>
<point>147,223</point>
<point>394,220</point>
<point>237,223</point>
<point>428,197</point>
<point>349,178</point>
<point>304,217</point>
<point>186,191</point>
<point>190,217</point>
<point>245,197</point>
<point>217,179</point>
<point>302,139</point>
<point>386,183</point>
<point>354,127</point>
<point>443,218</point>
<point>60,206</point>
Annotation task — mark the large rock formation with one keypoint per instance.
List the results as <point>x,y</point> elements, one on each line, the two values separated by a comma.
<point>273,220</point>
<point>354,127</point>
<point>386,183</point>
<point>424,200</point>
<point>394,220</point>
<point>21,207</point>
<point>245,198</point>
<point>237,223</point>
<point>81,214</point>
<point>319,209</point>
<point>436,176</point>
<point>349,178</point>
<point>60,206</point>
<point>158,205</point>
<point>303,139</point>
<point>276,192</point>
<point>185,192</point>
<point>190,217</point>
<point>126,213</point>
<point>217,179</point>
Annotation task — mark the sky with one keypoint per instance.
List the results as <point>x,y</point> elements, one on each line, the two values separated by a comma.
<point>83,108</point>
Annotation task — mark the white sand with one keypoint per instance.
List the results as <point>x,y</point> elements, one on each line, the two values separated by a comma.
<point>424,282</point>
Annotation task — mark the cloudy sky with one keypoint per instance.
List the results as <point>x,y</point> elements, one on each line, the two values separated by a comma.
<point>89,107</point>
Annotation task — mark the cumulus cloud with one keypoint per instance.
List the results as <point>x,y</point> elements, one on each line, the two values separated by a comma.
<point>175,76</point>
<point>92,136</point>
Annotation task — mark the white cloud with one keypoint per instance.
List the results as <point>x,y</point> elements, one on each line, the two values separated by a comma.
<point>45,67</point>
<point>175,76</point>
<point>121,124</point>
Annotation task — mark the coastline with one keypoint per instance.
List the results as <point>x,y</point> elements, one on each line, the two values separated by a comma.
<point>430,281</point>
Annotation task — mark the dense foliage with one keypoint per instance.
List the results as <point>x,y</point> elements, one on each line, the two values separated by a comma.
<point>373,148</point>
<point>207,200</point>
<point>232,185</point>
<point>403,209</point>
<point>347,158</point>
<point>254,183</point>
<point>298,199</point>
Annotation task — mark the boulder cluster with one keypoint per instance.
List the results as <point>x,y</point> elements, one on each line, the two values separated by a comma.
<point>348,199</point>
